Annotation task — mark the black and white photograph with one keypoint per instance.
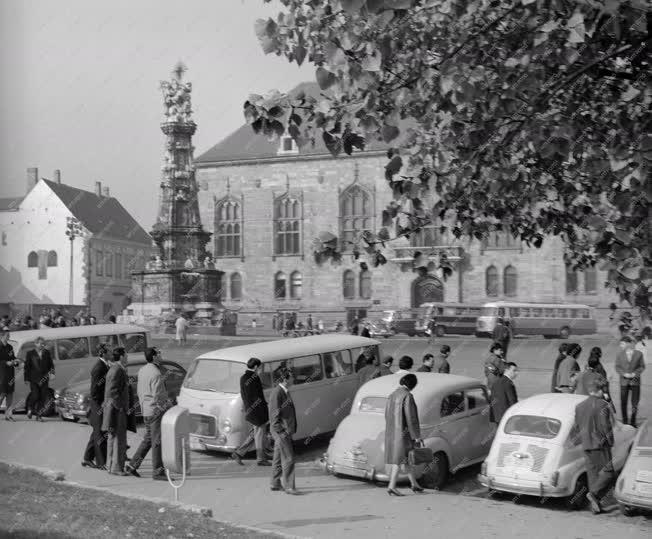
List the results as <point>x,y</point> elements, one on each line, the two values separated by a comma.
<point>267,266</point>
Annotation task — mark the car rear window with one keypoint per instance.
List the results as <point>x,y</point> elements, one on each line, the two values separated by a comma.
<point>373,405</point>
<point>533,425</point>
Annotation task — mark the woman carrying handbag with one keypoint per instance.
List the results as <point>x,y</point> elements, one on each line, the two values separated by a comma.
<point>402,434</point>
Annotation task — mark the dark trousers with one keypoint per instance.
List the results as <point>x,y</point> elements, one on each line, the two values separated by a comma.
<point>96,446</point>
<point>624,396</point>
<point>599,469</point>
<point>256,438</point>
<point>505,346</point>
<point>39,395</point>
<point>116,449</point>
<point>283,462</point>
<point>152,440</point>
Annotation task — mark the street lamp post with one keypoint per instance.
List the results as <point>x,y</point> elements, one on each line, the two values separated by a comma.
<point>73,229</point>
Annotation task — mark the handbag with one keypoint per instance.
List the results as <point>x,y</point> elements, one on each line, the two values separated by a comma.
<point>420,455</point>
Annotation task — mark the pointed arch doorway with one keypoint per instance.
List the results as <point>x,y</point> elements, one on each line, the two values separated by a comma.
<point>427,289</point>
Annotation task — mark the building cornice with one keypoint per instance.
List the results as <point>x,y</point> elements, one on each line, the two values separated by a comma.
<point>282,159</point>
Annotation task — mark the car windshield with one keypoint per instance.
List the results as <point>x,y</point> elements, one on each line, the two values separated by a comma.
<point>373,405</point>
<point>533,425</point>
<point>489,311</point>
<point>645,439</point>
<point>215,375</point>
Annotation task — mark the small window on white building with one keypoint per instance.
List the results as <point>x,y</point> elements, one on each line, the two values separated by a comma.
<point>287,146</point>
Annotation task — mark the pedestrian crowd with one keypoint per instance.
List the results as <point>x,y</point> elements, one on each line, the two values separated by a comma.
<point>49,319</point>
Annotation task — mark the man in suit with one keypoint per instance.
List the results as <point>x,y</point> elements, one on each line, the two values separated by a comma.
<point>428,361</point>
<point>153,398</point>
<point>568,370</point>
<point>629,366</point>
<point>503,394</point>
<point>39,368</point>
<point>494,366</point>
<point>256,414</point>
<point>595,432</point>
<point>96,446</point>
<point>502,335</point>
<point>386,366</point>
<point>283,425</point>
<point>114,417</point>
<point>441,364</point>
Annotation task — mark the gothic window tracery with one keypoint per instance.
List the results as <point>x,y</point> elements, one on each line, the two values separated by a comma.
<point>228,233</point>
<point>287,225</point>
<point>356,214</point>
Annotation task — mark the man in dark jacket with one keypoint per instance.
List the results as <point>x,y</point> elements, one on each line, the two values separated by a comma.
<point>39,368</point>
<point>370,371</point>
<point>568,371</point>
<point>594,424</point>
<point>428,361</point>
<point>283,424</point>
<point>502,335</point>
<point>8,364</point>
<point>115,412</point>
<point>629,366</point>
<point>503,394</point>
<point>386,366</point>
<point>96,446</point>
<point>563,351</point>
<point>256,414</point>
<point>494,365</point>
<point>441,364</point>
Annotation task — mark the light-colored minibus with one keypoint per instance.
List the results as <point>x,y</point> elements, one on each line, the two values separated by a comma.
<point>324,386</point>
<point>73,349</point>
<point>552,320</point>
<point>452,318</point>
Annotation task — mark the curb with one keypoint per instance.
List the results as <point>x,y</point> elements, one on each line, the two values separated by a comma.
<point>60,476</point>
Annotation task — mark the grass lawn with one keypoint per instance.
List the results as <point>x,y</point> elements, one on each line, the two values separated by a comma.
<point>35,506</point>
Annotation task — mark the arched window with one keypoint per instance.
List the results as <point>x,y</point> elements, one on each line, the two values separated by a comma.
<point>227,228</point>
<point>356,214</point>
<point>52,259</point>
<point>365,284</point>
<point>287,225</point>
<point>571,280</point>
<point>510,281</point>
<point>295,285</point>
<point>348,284</point>
<point>491,285</point>
<point>590,281</point>
<point>32,260</point>
<point>236,287</point>
<point>280,285</point>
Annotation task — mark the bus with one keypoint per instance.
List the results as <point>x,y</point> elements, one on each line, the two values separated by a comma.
<point>452,318</point>
<point>551,320</point>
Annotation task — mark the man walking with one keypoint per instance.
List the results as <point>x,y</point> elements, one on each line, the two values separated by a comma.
<point>563,351</point>
<point>153,399</point>
<point>283,426</point>
<point>96,446</point>
<point>593,417</point>
<point>181,325</point>
<point>629,366</point>
<point>39,368</point>
<point>256,414</point>
<point>503,394</point>
<point>428,361</point>
<point>8,364</point>
<point>441,364</point>
<point>502,335</point>
<point>116,406</point>
<point>568,371</point>
<point>370,371</point>
<point>494,366</point>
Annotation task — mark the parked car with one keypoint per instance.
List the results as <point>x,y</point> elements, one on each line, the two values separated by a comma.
<point>377,328</point>
<point>72,402</point>
<point>454,420</point>
<point>537,450</point>
<point>634,486</point>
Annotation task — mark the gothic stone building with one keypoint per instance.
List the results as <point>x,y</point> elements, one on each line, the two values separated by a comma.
<point>265,203</point>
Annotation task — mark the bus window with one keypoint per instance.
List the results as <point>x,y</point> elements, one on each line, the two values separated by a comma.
<point>72,348</point>
<point>488,311</point>
<point>548,313</point>
<point>515,312</point>
<point>134,342</point>
<point>586,313</point>
<point>536,312</point>
<point>525,313</point>
<point>562,313</point>
<point>110,340</point>
<point>574,313</point>
<point>307,369</point>
<point>501,311</point>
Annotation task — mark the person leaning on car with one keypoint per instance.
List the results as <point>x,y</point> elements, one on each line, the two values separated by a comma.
<point>594,421</point>
<point>95,453</point>
<point>39,368</point>
<point>629,366</point>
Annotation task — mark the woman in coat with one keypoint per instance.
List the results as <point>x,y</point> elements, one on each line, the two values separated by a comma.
<point>8,364</point>
<point>402,432</point>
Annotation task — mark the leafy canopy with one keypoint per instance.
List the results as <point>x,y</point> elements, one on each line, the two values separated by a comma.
<point>529,116</point>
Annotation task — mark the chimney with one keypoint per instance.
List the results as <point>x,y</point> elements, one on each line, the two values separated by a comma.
<point>32,178</point>
<point>98,189</point>
<point>57,176</point>
<point>106,192</point>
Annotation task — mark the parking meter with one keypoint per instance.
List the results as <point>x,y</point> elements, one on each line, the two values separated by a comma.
<point>175,444</point>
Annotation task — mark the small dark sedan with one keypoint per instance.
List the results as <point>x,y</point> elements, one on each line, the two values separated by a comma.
<point>72,402</point>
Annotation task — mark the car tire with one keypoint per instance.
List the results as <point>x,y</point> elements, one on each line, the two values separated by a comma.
<point>440,331</point>
<point>437,476</point>
<point>626,510</point>
<point>577,500</point>
<point>564,332</point>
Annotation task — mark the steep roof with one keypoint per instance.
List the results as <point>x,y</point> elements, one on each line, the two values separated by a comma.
<point>8,204</point>
<point>243,144</point>
<point>104,216</point>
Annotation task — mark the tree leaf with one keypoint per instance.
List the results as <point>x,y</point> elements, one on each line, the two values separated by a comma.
<point>325,78</point>
<point>393,166</point>
<point>352,6</point>
<point>390,132</point>
<point>369,124</point>
<point>372,62</point>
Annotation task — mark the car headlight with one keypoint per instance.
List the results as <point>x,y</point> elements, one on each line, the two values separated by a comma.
<point>226,426</point>
<point>81,399</point>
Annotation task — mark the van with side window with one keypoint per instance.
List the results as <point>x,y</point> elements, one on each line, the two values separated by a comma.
<point>451,318</point>
<point>325,383</point>
<point>73,350</point>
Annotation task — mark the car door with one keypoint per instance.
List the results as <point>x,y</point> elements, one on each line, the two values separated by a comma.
<point>173,376</point>
<point>482,431</point>
<point>454,427</point>
<point>623,437</point>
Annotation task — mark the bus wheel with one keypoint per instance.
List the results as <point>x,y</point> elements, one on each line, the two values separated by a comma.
<point>440,331</point>
<point>564,333</point>
<point>411,334</point>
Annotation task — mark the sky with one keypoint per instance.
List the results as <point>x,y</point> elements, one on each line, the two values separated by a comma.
<point>80,86</point>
